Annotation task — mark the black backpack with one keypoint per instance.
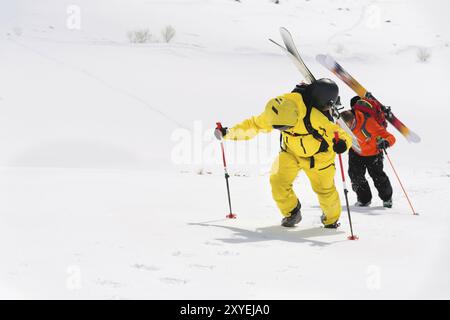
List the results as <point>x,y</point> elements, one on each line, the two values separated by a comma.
<point>301,89</point>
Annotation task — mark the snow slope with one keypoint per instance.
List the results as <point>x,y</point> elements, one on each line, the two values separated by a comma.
<point>111,185</point>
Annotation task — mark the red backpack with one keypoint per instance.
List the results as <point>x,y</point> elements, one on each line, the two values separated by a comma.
<point>372,108</point>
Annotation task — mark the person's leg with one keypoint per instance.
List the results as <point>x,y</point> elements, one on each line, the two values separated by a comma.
<point>357,172</point>
<point>321,177</point>
<point>283,173</point>
<point>380,179</point>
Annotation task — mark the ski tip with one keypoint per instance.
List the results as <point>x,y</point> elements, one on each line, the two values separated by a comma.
<point>283,29</point>
<point>320,57</point>
<point>413,137</point>
<point>325,60</point>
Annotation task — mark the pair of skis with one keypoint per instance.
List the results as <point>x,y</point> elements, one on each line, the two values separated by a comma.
<point>328,62</point>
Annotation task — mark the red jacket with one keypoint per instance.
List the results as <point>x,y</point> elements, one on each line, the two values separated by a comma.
<point>367,129</point>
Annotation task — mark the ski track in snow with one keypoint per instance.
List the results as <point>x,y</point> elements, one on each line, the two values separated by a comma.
<point>102,82</point>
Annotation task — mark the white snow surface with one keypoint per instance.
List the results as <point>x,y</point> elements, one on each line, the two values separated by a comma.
<point>99,201</point>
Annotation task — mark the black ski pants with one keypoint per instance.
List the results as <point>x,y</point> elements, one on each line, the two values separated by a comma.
<point>357,170</point>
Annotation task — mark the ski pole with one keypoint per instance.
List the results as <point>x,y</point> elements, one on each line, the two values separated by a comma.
<point>401,185</point>
<point>352,237</point>
<point>231,215</point>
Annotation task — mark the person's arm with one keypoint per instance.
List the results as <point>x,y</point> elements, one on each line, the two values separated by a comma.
<point>248,128</point>
<point>379,131</point>
<point>388,137</point>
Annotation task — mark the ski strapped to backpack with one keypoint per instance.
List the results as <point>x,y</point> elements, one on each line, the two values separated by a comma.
<point>291,51</point>
<point>328,62</point>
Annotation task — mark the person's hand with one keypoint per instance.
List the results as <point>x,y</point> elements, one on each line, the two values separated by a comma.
<point>387,112</point>
<point>221,132</point>
<point>382,143</point>
<point>339,146</point>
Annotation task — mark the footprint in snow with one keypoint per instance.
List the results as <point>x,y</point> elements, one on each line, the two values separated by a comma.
<point>141,266</point>
<point>228,253</point>
<point>181,254</point>
<point>259,245</point>
<point>109,283</point>
<point>209,243</point>
<point>200,266</point>
<point>173,281</point>
<point>288,268</point>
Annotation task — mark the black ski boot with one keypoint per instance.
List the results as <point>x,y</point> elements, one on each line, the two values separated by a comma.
<point>294,218</point>
<point>387,203</point>
<point>362,204</point>
<point>333,225</point>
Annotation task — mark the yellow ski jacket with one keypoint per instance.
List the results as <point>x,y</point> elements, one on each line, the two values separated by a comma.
<point>297,139</point>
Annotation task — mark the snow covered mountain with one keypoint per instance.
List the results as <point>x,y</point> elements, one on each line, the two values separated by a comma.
<point>111,184</point>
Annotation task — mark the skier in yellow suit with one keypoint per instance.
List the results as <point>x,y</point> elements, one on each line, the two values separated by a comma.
<point>307,135</point>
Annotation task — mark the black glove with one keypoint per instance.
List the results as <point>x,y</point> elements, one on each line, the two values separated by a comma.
<point>382,143</point>
<point>340,146</point>
<point>387,112</point>
<point>220,132</point>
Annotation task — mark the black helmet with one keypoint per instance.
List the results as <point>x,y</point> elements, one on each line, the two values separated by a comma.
<point>354,100</point>
<point>324,93</point>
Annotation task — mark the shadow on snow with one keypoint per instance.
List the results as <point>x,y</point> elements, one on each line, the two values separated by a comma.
<point>371,211</point>
<point>271,233</point>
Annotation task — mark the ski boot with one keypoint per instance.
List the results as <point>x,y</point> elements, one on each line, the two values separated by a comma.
<point>362,204</point>
<point>333,225</point>
<point>294,218</point>
<point>387,203</point>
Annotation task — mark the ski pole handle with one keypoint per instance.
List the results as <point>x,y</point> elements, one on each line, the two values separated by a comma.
<point>382,148</point>
<point>219,126</point>
<point>336,137</point>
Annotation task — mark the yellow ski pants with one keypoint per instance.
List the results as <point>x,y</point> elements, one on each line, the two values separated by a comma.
<point>286,168</point>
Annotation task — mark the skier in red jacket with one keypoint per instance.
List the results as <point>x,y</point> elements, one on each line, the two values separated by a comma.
<point>367,122</point>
